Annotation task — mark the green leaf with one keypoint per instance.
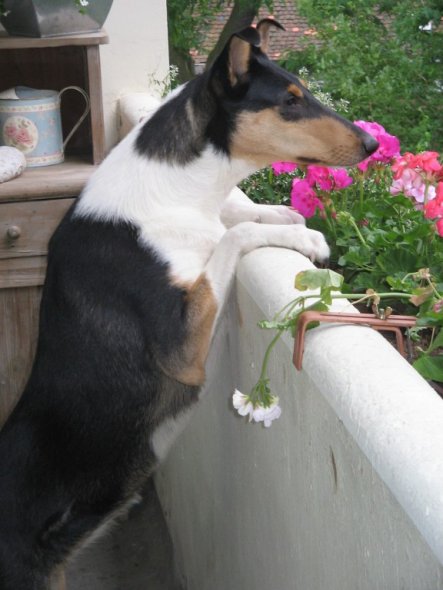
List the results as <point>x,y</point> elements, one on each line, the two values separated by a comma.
<point>430,367</point>
<point>318,278</point>
<point>438,341</point>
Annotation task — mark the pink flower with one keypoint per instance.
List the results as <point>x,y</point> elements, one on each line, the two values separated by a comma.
<point>389,145</point>
<point>341,178</point>
<point>412,184</point>
<point>304,198</point>
<point>434,207</point>
<point>320,176</point>
<point>328,179</point>
<point>283,167</point>
<point>401,163</point>
<point>426,162</point>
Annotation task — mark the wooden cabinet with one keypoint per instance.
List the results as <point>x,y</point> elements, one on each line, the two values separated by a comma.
<point>32,205</point>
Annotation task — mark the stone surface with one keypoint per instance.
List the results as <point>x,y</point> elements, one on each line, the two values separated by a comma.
<point>12,163</point>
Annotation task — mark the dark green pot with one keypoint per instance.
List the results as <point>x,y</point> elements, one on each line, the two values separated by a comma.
<point>48,18</point>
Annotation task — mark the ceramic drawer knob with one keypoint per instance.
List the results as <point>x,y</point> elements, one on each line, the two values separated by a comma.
<point>13,232</point>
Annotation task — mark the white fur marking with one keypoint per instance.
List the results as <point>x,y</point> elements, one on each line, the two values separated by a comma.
<point>165,434</point>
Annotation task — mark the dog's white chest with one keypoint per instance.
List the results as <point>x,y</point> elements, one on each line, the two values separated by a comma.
<point>185,239</point>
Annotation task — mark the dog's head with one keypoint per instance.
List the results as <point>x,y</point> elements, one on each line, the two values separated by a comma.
<point>266,114</point>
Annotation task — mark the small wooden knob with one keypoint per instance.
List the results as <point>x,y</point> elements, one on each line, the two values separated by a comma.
<point>13,232</point>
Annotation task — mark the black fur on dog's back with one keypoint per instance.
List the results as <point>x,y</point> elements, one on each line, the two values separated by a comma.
<point>101,330</point>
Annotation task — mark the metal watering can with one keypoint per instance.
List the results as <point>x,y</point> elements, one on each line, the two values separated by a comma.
<point>30,121</point>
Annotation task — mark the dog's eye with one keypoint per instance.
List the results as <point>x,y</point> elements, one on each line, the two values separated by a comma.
<point>292,100</point>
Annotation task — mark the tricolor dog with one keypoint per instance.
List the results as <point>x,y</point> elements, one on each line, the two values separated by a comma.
<point>138,271</point>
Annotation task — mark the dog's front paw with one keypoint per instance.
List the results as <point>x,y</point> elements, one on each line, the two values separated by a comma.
<point>277,214</point>
<point>311,243</point>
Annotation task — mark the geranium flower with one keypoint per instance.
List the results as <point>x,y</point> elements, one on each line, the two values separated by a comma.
<point>242,404</point>
<point>439,227</point>
<point>267,414</point>
<point>426,162</point>
<point>434,208</point>
<point>412,184</point>
<point>320,176</point>
<point>328,179</point>
<point>389,145</point>
<point>304,198</point>
<point>283,167</point>
<point>257,410</point>
<point>341,178</point>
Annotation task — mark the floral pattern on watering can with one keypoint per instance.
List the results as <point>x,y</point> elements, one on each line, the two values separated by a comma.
<point>30,121</point>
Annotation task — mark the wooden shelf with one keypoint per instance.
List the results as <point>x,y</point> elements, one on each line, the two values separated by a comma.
<point>85,39</point>
<point>48,182</point>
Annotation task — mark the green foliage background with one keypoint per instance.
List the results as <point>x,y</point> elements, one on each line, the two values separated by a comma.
<point>374,55</point>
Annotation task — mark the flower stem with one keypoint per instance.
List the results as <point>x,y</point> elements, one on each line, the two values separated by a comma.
<point>358,232</point>
<point>264,367</point>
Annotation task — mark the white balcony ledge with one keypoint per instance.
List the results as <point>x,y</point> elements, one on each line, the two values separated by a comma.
<point>344,491</point>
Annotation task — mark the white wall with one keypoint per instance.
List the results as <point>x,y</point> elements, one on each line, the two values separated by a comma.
<point>138,48</point>
<point>343,492</point>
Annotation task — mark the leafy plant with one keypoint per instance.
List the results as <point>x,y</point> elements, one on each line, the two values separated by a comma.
<point>384,58</point>
<point>384,223</point>
<point>420,289</point>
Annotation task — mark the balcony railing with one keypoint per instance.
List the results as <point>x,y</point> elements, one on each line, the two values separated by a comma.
<point>343,492</point>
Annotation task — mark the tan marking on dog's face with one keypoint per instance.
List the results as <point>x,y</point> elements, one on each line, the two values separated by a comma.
<point>264,137</point>
<point>187,365</point>
<point>295,90</point>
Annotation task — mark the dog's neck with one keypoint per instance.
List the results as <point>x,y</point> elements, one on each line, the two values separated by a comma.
<point>130,187</point>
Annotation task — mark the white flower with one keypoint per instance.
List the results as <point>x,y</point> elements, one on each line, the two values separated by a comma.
<point>242,404</point>
<point>259,413</point>
<point>267,415</point>
<point>84,2</point>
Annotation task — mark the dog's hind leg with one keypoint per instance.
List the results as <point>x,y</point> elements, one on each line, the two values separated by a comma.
<point>18,569</point>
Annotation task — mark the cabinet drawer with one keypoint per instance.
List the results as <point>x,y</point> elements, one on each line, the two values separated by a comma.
<point>25,228</point>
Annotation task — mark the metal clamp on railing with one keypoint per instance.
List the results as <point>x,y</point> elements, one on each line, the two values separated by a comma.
<point>379,321</point>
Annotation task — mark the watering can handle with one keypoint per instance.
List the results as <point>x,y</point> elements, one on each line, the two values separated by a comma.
<point>85,112</point>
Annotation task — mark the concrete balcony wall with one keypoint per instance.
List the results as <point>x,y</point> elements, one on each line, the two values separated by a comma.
<point>343,492</point>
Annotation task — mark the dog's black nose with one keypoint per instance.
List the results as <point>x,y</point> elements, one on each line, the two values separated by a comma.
<point>370,143</point>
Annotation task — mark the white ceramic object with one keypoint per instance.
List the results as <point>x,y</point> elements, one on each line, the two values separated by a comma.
<point>12,163</point>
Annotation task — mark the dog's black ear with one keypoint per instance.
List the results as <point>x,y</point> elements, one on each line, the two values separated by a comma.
<point>263,28</point>
<point>239,54</point>
<point>229,73</point>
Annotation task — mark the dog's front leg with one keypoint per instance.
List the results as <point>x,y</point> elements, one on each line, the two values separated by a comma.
<point>206,297</point>
<point>238,208</point>
<point>245,237</point>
